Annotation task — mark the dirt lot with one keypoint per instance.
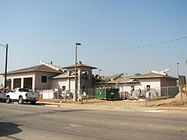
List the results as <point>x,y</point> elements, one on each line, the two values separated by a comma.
<point>164,102</point>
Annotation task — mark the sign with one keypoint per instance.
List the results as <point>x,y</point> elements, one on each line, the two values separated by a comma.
<point>48,94</point>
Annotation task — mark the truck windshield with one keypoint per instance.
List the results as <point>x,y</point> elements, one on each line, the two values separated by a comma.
<point>23,90</point>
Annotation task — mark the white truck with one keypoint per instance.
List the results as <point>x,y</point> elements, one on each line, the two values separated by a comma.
<point>21,95</point>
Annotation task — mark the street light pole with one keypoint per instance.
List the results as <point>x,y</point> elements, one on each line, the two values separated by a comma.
<point>6,65</point>
<point>75,94</point>
<point>179,82</point>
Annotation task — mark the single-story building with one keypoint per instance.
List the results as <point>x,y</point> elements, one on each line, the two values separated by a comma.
<point>66,80</point>
<point>158,84</point>
<point>35,77</point>
<point>49,76</point>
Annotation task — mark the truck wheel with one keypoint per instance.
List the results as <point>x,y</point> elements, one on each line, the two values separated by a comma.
<point>7,99</point>
<point>20,101</point>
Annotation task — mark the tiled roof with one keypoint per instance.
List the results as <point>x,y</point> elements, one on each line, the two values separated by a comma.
<point>152,75</point>
<point>59,76</point>
<point>125,79</point>
<point>38,68</point>
<point>134,79</point>
<point>78,66</point>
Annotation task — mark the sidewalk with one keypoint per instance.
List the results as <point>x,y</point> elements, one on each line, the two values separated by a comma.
<point>114,106</point>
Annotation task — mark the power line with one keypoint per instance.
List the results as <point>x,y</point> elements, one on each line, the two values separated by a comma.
<point>138,47</point>
<point>152,45</point>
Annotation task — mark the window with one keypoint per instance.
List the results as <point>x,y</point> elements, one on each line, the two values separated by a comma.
<point>63,88</point>
<point>44,79</point>
<point>23,90</point>
<point>148,87</point>
<point>84,72</point>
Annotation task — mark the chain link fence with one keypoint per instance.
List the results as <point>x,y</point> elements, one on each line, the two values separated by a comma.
<point>151,96</point>
<point>66,94</point>
<point>165,95</point>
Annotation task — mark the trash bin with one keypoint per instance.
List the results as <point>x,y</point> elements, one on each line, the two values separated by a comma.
<point>107,93</point>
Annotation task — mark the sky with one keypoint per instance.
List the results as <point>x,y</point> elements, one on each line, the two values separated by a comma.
<point>116,36</point>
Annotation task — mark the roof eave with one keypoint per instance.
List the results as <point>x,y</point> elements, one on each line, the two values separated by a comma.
<point>152,77</point>
<point>9,73</point>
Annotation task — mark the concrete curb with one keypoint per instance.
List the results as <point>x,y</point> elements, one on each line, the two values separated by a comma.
<point>172,108</point>
<point>112,107</point>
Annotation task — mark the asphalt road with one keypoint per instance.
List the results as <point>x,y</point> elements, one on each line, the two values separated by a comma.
<point>36,122</point>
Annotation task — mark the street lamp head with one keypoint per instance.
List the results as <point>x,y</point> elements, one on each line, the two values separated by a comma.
<point>78,44</point>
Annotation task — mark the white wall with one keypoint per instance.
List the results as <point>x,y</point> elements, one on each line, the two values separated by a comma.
<point>72,85</point>
<point>39,84</point>
<point>125,88</point>
<point>58,83</point>
<point>36,77</point>
<point>154,84</point>
<point>21,76</point>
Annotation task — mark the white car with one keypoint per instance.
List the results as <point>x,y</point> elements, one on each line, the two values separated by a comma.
<point>21,95</point>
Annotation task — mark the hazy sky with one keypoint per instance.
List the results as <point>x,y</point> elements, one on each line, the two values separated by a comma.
<point>108,30</point>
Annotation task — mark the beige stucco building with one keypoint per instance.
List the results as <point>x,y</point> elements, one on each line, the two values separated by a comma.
<point>158,84</point>
<point>35,77</point>
<point>66,80</point>
<point>49,76</point>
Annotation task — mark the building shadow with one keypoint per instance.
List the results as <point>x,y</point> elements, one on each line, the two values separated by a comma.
<point>7,129</point>
<point>36,104</point>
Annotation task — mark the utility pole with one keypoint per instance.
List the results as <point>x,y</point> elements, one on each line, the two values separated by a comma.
<point>75,94</point>
<point>179,83</point>
<point>6,65</point>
